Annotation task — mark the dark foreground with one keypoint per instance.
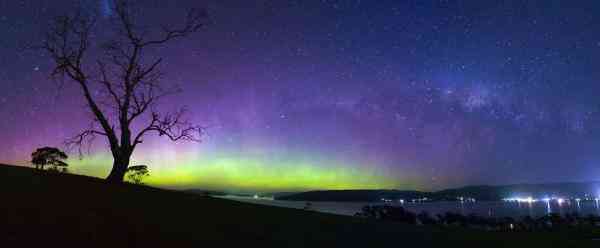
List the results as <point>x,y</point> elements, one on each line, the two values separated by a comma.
<point>51,210</point>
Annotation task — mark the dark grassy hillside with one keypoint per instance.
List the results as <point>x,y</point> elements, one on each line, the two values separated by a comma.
<point>51,210</point>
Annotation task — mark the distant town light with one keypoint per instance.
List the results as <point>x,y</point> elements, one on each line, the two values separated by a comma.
<point>520,200</point>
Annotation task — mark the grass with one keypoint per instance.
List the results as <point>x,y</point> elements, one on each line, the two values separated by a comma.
<point>42,209</point>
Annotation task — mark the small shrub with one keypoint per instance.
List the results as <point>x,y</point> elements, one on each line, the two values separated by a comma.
<point>137,173</point>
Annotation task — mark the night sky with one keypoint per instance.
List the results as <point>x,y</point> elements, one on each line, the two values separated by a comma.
<point>339,94</point>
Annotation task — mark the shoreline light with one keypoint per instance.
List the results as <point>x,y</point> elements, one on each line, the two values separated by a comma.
<point>521,200</point>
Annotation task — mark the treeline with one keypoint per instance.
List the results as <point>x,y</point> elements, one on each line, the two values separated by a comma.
<point>449,219</point>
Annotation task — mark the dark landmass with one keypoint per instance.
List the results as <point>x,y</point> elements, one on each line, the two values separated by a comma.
<point>280,194</point>
<point>40,209</point>
<point>480,193</point>
<point>493,193</point>
<point>205,192</point>
<point>352,195</point>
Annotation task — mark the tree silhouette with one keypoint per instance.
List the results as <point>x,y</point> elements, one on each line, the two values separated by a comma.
<point>137,173</point>
<point>49,156</point>
<point>121,84</point>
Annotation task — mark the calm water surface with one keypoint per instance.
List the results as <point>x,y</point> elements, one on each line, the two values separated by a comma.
<point>493,209</point>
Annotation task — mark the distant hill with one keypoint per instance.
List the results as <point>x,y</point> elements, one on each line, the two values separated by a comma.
<point>352,195</point>
<point>480,193</point>
<point>491,193</point>
<point>205,192</point>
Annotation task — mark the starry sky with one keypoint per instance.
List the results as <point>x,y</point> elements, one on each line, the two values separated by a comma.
<point>328,94</point>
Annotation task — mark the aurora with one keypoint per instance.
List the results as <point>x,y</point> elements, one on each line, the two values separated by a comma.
<point>337,94</point>
<point>246,173</point>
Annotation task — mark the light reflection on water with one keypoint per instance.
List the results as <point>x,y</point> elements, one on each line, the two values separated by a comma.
<point>487,209</point>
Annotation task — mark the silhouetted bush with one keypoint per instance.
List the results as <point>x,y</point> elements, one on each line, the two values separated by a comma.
<point>425,219</point>
<point>450,219</point>
<point>137,173</point>
<point>386,212</point>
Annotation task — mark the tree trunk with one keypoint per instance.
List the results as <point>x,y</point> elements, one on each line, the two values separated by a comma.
<point>117,174</point>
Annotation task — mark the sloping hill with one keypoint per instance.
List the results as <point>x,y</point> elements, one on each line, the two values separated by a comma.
<point>41,209</point>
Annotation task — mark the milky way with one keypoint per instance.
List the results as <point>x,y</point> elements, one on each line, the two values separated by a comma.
<point>342,94</point>
<point>106,8</point>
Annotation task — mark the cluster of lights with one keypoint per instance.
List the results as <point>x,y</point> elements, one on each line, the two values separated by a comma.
<point>424,199</point>
<point>259,197</point>
<point>559,200</point>
<point>402,201</point>
<point>521,200</point>
<point>529,199</point>
<point>466,199</point>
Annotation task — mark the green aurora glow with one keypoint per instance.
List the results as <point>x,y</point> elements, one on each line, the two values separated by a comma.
<point>253,173</point>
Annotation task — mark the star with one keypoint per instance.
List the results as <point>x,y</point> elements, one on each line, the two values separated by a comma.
<point>386,90</point>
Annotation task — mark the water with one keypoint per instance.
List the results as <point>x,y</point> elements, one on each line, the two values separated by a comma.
<point>484,209</point>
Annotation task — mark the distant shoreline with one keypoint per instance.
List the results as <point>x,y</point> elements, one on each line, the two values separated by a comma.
<point>585,191</point>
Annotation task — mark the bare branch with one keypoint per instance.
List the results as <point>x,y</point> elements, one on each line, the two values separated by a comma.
<point>104,80</point>
<point>173,126</point>
<point>67,43</point>
<point>195,20</point>
<point>85,138</point>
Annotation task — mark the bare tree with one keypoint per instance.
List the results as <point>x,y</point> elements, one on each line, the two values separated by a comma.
<point>120,83</point>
